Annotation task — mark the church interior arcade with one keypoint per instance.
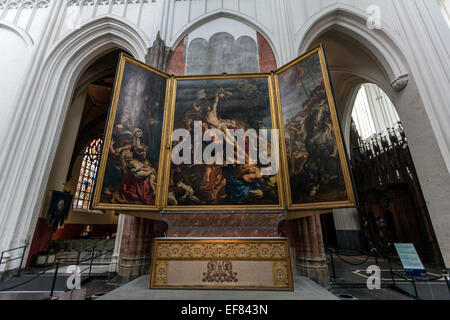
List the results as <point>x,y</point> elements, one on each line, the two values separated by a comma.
<point>394,166</point>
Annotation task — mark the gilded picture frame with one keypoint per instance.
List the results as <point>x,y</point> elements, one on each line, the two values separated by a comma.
<point>170,127</point>
<point>97,203</point>
<point>283,179</point>
<point>309,207</point>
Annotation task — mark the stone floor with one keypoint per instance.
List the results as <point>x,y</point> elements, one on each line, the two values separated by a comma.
<point>352,280</point>
<point>305,289</point>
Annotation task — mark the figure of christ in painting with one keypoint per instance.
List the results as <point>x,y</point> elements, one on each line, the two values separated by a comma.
<point>131,176</point>
<point>230,183</point>
<point>139,183</point>
<point>239,181</point>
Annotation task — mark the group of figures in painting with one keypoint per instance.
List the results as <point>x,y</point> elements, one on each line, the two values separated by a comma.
<point>312,154</point>
<point>133,153</point>
<point>223,104</point>
<point>313,158</point>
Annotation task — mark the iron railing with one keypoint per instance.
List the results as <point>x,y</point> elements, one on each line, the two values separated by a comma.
<point>21,257</point>
<point>58,264</point>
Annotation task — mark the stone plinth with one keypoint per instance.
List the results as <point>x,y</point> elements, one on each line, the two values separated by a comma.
<point>223,224</point>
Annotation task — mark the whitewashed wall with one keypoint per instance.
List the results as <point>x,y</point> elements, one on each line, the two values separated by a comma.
<point>46,44</point>
<point>21,22</point>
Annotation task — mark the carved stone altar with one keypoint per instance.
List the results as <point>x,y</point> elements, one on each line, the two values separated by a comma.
<point>225,263</point>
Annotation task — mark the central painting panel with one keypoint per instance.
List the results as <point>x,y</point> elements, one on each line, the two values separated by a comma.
<point>224,104</point>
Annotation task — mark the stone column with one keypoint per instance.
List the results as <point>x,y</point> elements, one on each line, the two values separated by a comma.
<point>113,266</point>
<point>311,259</point>
<point>348,229</point>
<point>425,35</point>
<point>135,248</point>
<point>288,229</point>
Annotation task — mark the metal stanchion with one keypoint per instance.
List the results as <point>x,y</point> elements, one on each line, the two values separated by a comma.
<point>392,273</point>
<point>447,278</point>
<point>415,288</point>
<point>332,265</point>
<point>21,261</point>
<point>78,258</point>
<point>54,282</point>
<point>92,261</point>
<point>376,257</point>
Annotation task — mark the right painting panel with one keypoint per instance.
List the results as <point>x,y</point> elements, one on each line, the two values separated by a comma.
<point>314,156</point>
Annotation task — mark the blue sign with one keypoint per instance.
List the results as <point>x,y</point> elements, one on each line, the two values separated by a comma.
<point>410,260</point>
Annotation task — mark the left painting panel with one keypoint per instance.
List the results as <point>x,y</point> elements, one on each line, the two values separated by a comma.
<point>129,173</point>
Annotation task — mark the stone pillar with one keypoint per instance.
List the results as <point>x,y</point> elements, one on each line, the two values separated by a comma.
<point>135,248</point>
<point>288,229</point>
<point>348,229</point>
<point>113,266</point>
<point>311,259</point>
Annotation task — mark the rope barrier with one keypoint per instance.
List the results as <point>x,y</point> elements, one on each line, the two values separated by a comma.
<point>347,255</point>
<point>353,264</point>
<point>29,280</point>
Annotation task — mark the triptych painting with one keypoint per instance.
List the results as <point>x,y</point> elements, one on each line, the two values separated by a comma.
<point>226,142</point>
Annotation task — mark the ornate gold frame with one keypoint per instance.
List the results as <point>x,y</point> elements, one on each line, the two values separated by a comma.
<point>351,202</point>
<point>96,204</point>
<point>234,240</point>
<point>283,181</point>
<point>273,114</point>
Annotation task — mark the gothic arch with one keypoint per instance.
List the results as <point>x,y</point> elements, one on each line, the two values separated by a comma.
<point>384,44</point>
<point>19,32</point>
<point>118,30</point>
<point>180,35</point>
<point>46,101</point>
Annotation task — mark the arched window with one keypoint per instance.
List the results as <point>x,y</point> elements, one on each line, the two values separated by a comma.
<point>88,174</point>
<point>373,112</point>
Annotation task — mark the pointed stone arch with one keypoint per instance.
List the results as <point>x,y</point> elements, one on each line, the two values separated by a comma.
<point>40,117</point>
<point>180,35</point>
<point>25,36</point>
<point>384,43</point>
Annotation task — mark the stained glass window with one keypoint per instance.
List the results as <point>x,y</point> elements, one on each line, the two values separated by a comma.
<point>88,174</point>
